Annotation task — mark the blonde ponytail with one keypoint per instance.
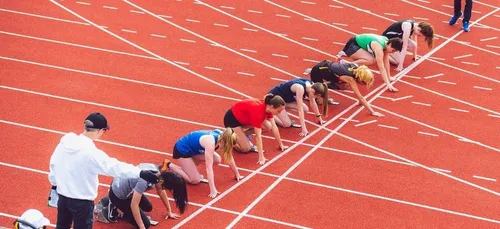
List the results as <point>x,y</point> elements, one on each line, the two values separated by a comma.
<point>228,138</point>
<point>363,74</point>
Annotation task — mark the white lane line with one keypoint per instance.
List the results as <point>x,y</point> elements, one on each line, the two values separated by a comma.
<point>227,7</point>
<point>310,3</point>
<point>282,15</point>
<point>424,1</point>
<point>165,16</point>
<point>279,55</point>
<point>109,7</point>
<point>494,116</point>
<point>213,68</point>
<point>313,61</point>
<point>338,43</point>
<point>413,77</point>
<point>429,134</point>
<point>433,76</point>
<point>493,46</point>
<point>488,39</point>
<point>340,24</point>
<point>221,25</point>
<point>484,178</point>
<point>310,39</point>
<point>83,3</point>
<point>182,63</point>
<point>446,82</point>
<point>391,14</point>
<point>352,120</point>
<point>368,28</point>
<point>334,6</point>
<point>423,104</point>
<point>278,79</point>
<point>442,170</point>
<point>157,35</point>
<point>248,50</point>
<point>186,40</point>
<point>437,58</point>
<point>421,18</point>
<point>192,20</point>
<point>388,98</point>
<point>128,31</point>
<point>254,11</point>
<point>252,30</point>
<point>470,63</point>
<point>459,110</point>
<point>365,123</point>
<point>458,57</point>
<point>246,74</point>
<point>401,98</point>
<point>136,12</point>
<point>389,127</point>
<point>483,88</point>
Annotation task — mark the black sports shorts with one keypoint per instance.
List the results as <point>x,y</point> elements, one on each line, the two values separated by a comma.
<point>230,120</point>
<point>351,47</point>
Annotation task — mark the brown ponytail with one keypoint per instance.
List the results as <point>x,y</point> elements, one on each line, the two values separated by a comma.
<point>274,100</point>
<point>428,32</point>
<point>228,138</point>
<point>322,89</point>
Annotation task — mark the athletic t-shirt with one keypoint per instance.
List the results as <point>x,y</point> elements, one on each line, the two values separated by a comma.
<point>364,41</point>
<point>124,188</point>
<point>285,89</point>
<point>251,112</point>
<point>189,145</point>
<point>396,29</point>
<point>342,68</point>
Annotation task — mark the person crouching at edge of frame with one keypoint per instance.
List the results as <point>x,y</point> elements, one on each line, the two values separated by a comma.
<point>200,146</point>
<point>253,116</point>
<point>128,200</point>
<point>75,166</point>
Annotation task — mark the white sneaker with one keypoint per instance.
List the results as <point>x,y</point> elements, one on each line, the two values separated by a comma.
<point>203,179</point>
<point>307,71</point>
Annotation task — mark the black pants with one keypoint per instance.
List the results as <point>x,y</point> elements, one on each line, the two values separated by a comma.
<point>124,205</point>
<point>467,9</point>
<point>79,212</point>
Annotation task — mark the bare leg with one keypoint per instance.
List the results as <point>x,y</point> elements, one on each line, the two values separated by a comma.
<point>282,119</point>
<point>179,171</point>
<point>243,145</point>
<point>189,168</point>
<point>363,57</point>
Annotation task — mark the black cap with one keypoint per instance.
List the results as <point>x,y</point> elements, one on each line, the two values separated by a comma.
<point>96,121</point>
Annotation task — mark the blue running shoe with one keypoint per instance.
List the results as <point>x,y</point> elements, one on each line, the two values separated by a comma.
<point>466,26</point>
<point>454,19</point>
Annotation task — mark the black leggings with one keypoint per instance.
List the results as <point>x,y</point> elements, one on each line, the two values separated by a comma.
<point>124,205</point>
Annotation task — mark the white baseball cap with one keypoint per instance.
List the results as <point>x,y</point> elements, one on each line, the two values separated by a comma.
<point>33,217</point>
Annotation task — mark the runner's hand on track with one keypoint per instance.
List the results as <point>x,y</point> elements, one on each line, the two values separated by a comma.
<point>213,193</point>
<point>262,160</point>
